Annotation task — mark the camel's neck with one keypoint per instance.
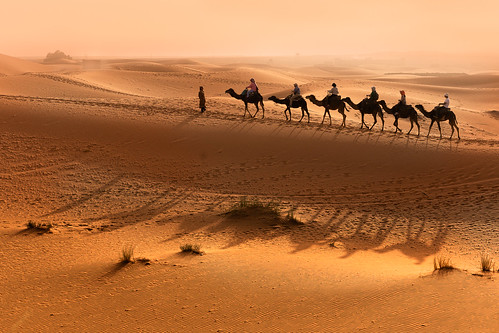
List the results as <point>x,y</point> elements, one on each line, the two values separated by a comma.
<point>233,94</point>
<point>385,107</point>
<point>315,101</point>
<point>352,104</point>
<point>424,112</point>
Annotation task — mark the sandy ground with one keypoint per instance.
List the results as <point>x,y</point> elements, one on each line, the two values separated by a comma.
<point>116,153</point>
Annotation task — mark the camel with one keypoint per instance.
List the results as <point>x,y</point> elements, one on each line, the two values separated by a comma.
<point>300,103</point>
<point>401,111</point>
<point>253,98</point>
<point>332,104</point>
<point>367,108</point>
<point>439,114</point>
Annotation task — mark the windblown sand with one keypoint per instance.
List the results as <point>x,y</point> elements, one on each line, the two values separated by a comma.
<point>116,153</point>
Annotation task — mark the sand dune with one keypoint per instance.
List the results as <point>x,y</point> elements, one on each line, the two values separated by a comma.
<point>14,66</point>
<point>121,156</point>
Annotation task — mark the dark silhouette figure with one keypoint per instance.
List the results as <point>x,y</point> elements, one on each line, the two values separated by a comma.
<point>330,103</point>
<point>438,114</point>
<point>253,98</point>
<point>202,99</point>
<point>300,103</point>
<point>401,111</point>
<point>366,107</point>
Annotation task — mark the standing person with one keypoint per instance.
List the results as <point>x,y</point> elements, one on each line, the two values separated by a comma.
<point>296,94</point>
<point>251,88</point>
<point>446,103</point>
<point>202,99</point>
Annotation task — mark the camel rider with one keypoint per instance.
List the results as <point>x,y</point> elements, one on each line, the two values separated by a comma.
<point>372,97</point>
<point>296,94</point>
<point>333,92</point>
<point>402,100</point>
<point>446,103</point>
<point>251,88</point>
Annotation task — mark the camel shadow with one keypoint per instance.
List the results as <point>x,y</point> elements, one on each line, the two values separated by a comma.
<point>146,212</point>
<point>414,247</point>
<point>85,198</point>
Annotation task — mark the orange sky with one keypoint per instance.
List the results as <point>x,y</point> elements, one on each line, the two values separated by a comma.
<point>227,27</point>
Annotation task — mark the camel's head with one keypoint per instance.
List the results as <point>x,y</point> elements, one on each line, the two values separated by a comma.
<point>420,107</point>
<point>228,91</point>
<point>310,97</point>
<point>272,98</point>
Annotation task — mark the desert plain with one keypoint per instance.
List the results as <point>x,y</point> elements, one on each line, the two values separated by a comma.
<point>106,154</point>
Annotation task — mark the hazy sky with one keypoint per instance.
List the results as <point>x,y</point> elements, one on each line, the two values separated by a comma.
<point>234,27</point>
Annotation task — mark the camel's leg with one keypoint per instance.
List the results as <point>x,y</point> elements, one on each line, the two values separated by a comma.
<point>375,121</point>
<point>382,121</point>
<point>457,128</point>
<point>286,113</point>
<point>302,115</point>
<point>362,123</point>
<point>417,124</point>
<point>257,109</point>
<point>329,114</point>
<point>439,129</point>
<point>324,116</point>
<point>263,109</point>
<point>412,125</point>
<point>344,124</point>
<point>395,123</point>
<point>429,129</point>
<point>308,115</point>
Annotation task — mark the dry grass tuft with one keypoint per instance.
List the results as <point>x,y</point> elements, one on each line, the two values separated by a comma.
<point>191,248</point>
<point>32,225</point>
<point>247,207</point>
<point>291,218</point>
<point>127,254</point>
<point>487,263</point>
<point>442,263</point>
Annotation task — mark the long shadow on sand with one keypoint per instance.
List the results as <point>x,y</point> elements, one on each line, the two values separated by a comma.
<point>86,197</point>
<point>353,233</point>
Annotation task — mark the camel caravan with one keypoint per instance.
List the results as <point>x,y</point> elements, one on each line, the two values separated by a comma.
<point>333,101</point>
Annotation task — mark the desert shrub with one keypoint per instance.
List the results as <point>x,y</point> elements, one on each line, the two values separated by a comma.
<point>244,207</point>
<point>291,218</point>
<point>191,248</point>
<point>127,253</point>
<point>487,263</point>
<point>38,226</point>
<point>442,263</point>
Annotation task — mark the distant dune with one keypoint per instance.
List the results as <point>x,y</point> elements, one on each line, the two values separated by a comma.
<point>15,66</point>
